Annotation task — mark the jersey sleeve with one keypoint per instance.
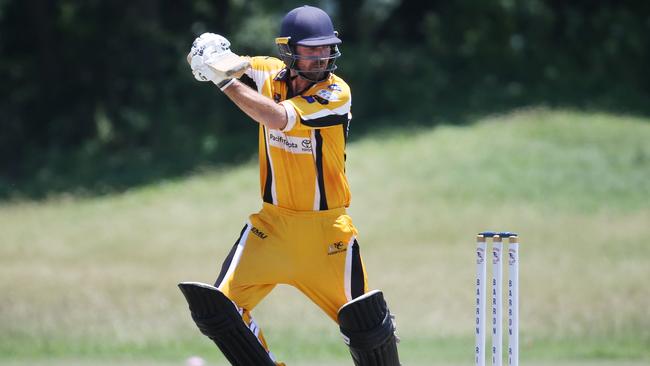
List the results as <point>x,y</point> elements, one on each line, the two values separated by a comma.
<point>321,108</point>
<point>262,67</point>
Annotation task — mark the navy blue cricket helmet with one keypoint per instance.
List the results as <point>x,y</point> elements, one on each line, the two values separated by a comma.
<point>310,27</point>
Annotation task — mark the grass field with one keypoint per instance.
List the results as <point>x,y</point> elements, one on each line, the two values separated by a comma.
<point>92,281</point>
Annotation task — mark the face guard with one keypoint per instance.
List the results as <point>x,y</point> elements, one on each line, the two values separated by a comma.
<point>308,26</point>
<point>323,65</point>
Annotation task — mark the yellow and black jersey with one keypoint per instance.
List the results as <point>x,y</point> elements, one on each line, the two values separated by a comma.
<point>302,167</point>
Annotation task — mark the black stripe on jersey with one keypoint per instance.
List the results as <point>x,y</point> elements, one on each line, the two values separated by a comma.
<point>346,130</point>
<point>327,121</point>
<point>356,275</point>
<point>248,81</point>
<point>319,168</point>
<point>228,260</point>
<point>268,194</point>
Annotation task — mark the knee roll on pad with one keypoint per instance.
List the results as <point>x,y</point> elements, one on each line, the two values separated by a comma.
<point>218,318</point>
<point>368,329</point>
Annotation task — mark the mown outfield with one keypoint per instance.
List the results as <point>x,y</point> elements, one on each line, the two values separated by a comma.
<point>92,281</point>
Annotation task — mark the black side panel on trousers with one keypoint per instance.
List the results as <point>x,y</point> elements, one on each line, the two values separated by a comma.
<point>357,280</point>
<point>367,327</point>
<point>226,263</point>
<point>217,318</point>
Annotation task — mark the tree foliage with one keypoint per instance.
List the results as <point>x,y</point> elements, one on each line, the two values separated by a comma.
<point>96,95</point>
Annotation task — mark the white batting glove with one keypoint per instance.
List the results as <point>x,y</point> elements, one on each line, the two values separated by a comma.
<point>219,43</point>
<point>201,71</point>
<point>208,47</point>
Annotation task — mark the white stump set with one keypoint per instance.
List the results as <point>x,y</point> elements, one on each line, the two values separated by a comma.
<point>497,297</point>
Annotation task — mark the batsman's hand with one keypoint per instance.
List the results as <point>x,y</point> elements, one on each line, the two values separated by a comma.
<point>208,48</point>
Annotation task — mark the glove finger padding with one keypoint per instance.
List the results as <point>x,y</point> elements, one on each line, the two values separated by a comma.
<point>205,45</point>
<point>207,49</point>
<point>216,42</point>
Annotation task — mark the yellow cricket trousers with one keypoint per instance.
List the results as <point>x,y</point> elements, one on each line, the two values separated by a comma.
<point>316,252</point>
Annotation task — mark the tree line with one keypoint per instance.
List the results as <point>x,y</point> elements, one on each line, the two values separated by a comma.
<point>97,96</point>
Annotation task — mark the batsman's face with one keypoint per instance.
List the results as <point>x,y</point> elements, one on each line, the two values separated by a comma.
<point>314,68</point>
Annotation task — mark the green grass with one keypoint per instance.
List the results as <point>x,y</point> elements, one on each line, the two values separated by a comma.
<point>93,280</point>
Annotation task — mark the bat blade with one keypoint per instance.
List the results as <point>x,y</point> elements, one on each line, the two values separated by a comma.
<point>230,65</point>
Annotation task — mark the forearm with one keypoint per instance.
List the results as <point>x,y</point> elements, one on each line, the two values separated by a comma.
<point>259,107</point>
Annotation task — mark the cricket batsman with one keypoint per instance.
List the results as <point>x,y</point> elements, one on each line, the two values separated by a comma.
<point>302,236</point>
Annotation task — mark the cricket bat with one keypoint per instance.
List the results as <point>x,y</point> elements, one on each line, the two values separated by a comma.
<point>230,65</point>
